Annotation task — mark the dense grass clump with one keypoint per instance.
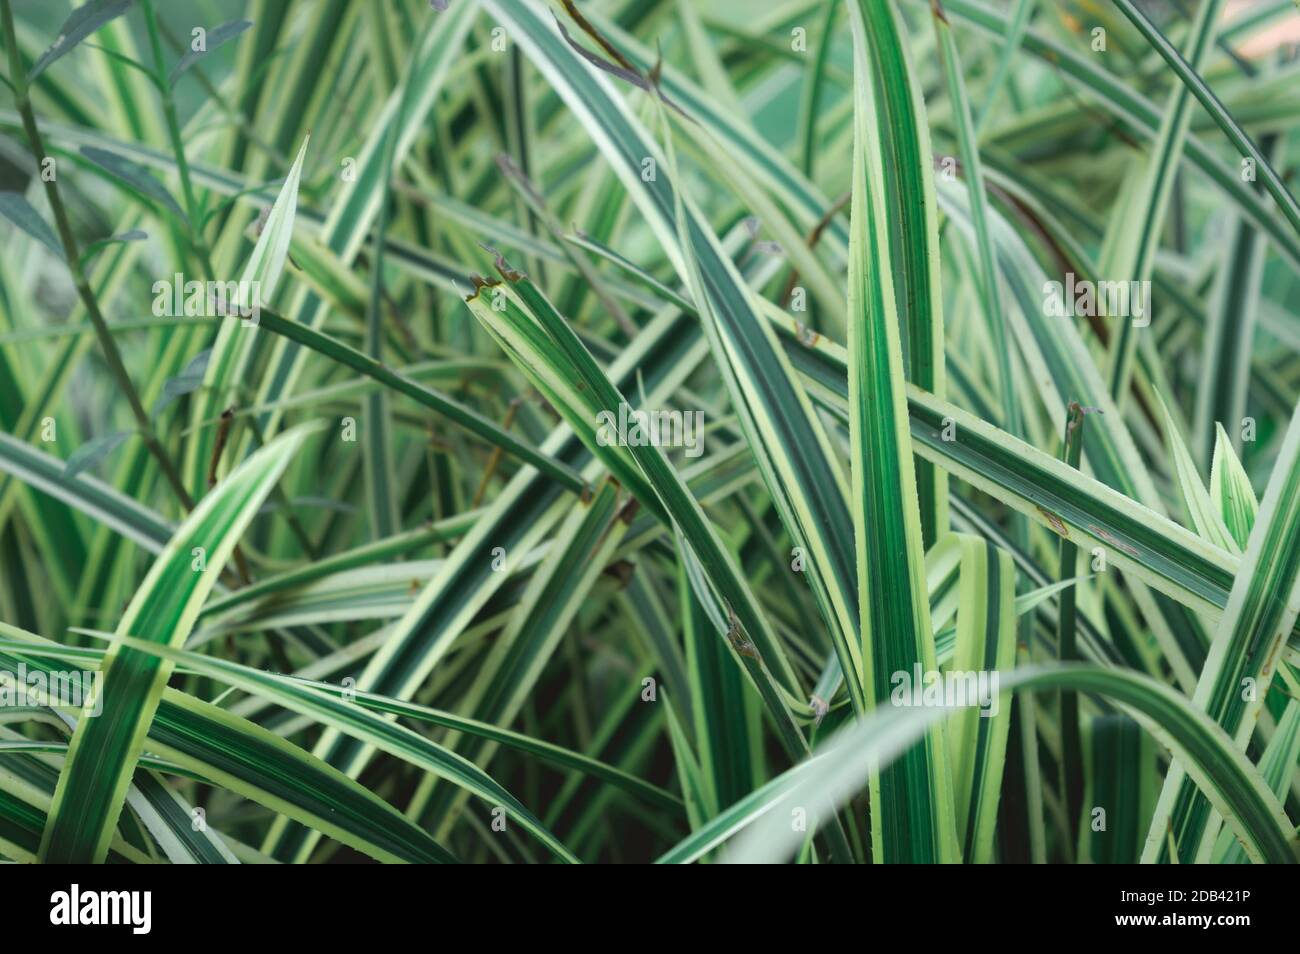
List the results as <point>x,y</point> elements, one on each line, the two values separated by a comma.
<point>620,430</point>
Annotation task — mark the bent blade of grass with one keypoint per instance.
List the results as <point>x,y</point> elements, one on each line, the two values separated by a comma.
<point>788,441</point>
<point>1189,75</point>
<point>545,340</point>
<point>1277,765</point>
<point>838,770</point>
<point>259,765</point>
<point>525,511</point>
<point>1131,251</point>
<point>176,711</point>
<point>104,749</point>
<point>161,811</point>
<point>340,714</point>
<point>256,764</point>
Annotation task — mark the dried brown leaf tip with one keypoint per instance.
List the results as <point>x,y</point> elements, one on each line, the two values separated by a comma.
<point>620,570</point>
<point>622,67</point>
<point>480,283</point>
<point>1076,412</point>
<point>502,266</point>
<point>657,70</point>
<point>629,511</point>
<point>591,31</point>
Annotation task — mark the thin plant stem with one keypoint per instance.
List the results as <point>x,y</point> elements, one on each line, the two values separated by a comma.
<point>112,357</point>
<point>178,146</point>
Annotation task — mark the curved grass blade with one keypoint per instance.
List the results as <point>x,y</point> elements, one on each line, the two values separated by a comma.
<point>253,762</point>
<point>793,453</point>
<point>545,341</point>
<point>1277,765</point>
<point>1189,75</point>
<point>259,765</point>
<point>459,413</point>
<point>87,494</point>
<point>838,769</point>
<point>525,511</point>
<point>176,711</point>
<point>1131,250</point>
<point>104,749</point>
<point>340,714</point>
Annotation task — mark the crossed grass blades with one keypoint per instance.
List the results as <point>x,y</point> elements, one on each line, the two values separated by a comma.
<point>310,316</point>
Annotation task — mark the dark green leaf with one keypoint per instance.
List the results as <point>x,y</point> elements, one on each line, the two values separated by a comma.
<point>83,21</point>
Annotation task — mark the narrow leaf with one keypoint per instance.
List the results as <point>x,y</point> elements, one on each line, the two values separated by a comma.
<point>81,23</point>
<point>15,207</point>
<point>92,452</point>
<point>215,38</point>
<point>134,175</point>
